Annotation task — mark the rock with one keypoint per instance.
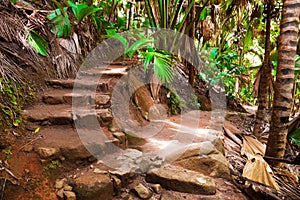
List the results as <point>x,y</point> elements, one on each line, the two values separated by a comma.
<point>99,171</point>
<point>105,115</point>
<point>45,152</point>
<point>93,186</point>
<point>113,126</point>
<point>117,183</point>
<point>142,191</point>
<point>61,158</point>
<point>92,159</point>
<point>205,158</point>
<point>70,195</point>
<point>28,148</point>
<point>121,137</point>
<point>171,195</point>
<point>124,176</point>
<point>27,171</point>
<point>102,99</point>
<point>68,188</point>
<point>59,183</point>
<point>148,162</point>
<point>133,139</point>
<point>182,181</point>
<point>60,193</point>
<point>156,188</point>
<point>78,153</point>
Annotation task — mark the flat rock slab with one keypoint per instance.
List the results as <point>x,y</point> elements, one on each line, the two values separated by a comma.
<point>205,158</point>
<point>182,181</point>
<point>55,114</point>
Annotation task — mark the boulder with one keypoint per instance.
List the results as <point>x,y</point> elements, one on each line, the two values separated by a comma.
<point>205,158</point>
<point>182,181</point>
<point>93,186</point>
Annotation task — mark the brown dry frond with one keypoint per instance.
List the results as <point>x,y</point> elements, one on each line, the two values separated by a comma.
<point>19,56</point>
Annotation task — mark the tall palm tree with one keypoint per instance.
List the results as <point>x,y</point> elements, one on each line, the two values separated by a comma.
<point>283,97</point>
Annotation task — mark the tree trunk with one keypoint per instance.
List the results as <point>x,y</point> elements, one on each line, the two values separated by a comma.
<point>263,90</point>
<point>191,33</point>
<point>283,96</point>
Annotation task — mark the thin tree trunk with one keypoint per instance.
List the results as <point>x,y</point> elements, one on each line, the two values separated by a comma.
<point>283,96</point>
<point>191,66</point>
<point>265,77</point>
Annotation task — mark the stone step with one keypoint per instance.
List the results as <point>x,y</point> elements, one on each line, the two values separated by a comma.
<point>182,180</point>
<point>102,85</point>
<point>66,96</point>
<point>62,141</point>
<point>62,114</point>
<point>72,143</point>
<point>104,72</point>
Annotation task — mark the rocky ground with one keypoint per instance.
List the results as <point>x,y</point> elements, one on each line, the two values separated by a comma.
<point>52,160</point>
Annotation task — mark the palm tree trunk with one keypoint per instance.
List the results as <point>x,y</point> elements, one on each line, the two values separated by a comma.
<point>263,90</point>
<point>283,97</point>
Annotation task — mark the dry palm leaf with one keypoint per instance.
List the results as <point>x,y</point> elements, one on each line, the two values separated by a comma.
<point>256,168</point>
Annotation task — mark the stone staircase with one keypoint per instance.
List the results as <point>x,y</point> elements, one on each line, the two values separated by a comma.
<point>191,177</point>
<point>54,113</point>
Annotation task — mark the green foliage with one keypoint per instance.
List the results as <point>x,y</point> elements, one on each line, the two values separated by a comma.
<point>176,104</point>
<point>7,151</point>
<point>162,64</point>
<point>60,19</point>
<point>222,68</point>
<point>162,60</point>
<point>205,12</point>
<point>295,136</point>
<point>54,164</point>
<point>13,98</point>
<point>39,44</point>
<point>82,10</point>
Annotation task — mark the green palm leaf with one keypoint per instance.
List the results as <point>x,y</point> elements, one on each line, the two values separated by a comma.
<point>38,43</point>
<point>82,10</point>
<point>295,136</point>
<point>61,21</point>
<point>139,44</point>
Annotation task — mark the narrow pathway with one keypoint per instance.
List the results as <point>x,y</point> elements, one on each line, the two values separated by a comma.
<point>205,176</point>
